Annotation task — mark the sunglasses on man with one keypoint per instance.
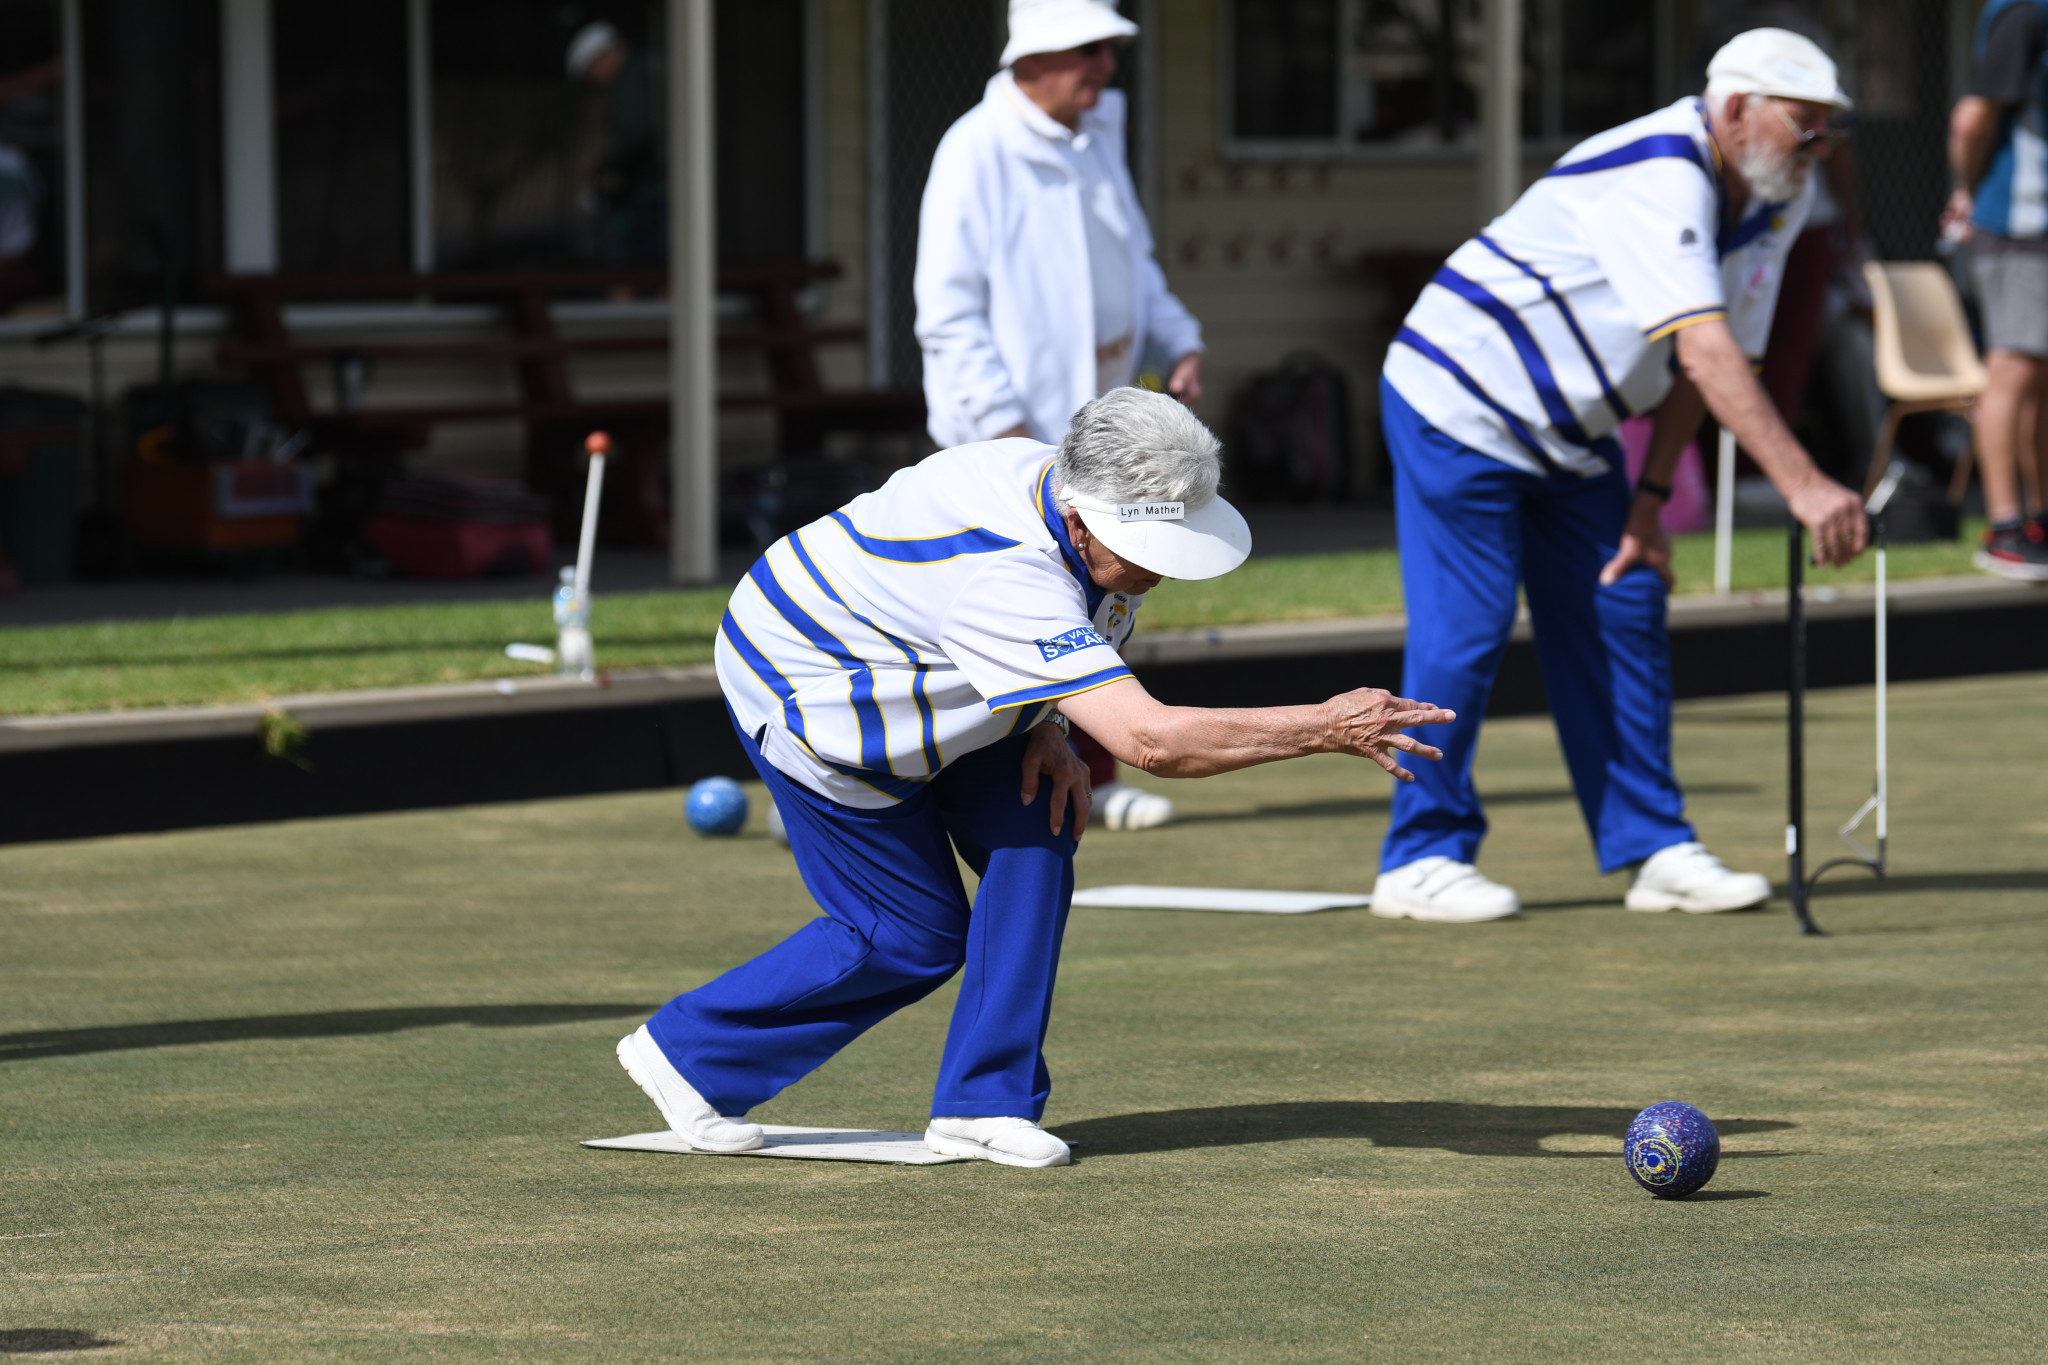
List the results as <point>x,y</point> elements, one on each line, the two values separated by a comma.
<point>1807,140</point>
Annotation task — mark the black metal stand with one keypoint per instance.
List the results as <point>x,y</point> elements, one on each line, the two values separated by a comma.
<point>1795,725</point>
<point>1800,885</point>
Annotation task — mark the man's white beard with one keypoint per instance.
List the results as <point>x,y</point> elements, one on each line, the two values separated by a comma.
<point>1774,177</point>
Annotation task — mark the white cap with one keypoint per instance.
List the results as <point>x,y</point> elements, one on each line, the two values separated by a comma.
<point>590,41</point>
<point>1057,25</point>
<point>1779,63</point>
<point>1168,538</point>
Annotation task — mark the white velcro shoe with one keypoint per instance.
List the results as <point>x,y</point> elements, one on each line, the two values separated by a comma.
<point>689,1114</point>
<point>1007,1142</point>
<point>1119,805</point>
<point>1444,890</point>
<point>1687,877</point>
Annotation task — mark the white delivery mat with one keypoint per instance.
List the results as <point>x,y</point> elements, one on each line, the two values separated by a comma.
<point>816,1144</point>
<point>1216,898</point>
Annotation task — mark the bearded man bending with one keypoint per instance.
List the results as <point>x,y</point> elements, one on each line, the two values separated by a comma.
<point>1638,275</point>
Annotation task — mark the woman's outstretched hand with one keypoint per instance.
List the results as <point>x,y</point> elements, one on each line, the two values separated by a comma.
<point>1369,723</point>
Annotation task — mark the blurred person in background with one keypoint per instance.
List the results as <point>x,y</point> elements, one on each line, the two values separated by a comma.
<point>1036,285</point>
<point>1998,151</point>
<point>629,187</point>
<point>21,202</point>
<point>24,122</point>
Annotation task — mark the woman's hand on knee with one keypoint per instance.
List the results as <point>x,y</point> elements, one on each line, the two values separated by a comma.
<point>1048,754</point>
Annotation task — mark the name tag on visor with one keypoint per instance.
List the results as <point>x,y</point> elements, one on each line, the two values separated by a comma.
<point>1151,511</point>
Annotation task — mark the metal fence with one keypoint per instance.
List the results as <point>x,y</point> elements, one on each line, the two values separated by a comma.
<point>929,62</point>
<point>1905,63</point>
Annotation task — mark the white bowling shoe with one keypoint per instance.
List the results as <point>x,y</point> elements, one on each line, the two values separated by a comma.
<point>1119,805</point>
<point>1005,1141</point>
<point>688,1113</point>
<point>1444,890</point>
<point>1687,877</point>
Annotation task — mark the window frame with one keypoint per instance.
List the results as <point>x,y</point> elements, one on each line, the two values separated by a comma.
<point>1550,74</point>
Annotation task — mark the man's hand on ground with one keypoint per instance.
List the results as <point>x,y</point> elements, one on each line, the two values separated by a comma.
<point>1835,516</point>
<point>1185,383</point>
<point>1369,721</point>
<point>1048,753</point>
<point>1642,542</point>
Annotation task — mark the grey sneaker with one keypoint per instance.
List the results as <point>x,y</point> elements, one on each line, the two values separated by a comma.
<point>2017,552</point>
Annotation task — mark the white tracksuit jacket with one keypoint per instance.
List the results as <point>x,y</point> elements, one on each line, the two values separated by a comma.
<point>1005,306</point>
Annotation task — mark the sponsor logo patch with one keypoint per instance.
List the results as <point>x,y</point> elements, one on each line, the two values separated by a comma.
<point>1081,637</point>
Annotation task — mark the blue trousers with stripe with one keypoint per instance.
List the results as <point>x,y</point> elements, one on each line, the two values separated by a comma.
<point>897,925</point>
<point>1471,528</point>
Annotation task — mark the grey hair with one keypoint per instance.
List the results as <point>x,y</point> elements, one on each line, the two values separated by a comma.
<point>1717,94</point>
<point>1133,445</point>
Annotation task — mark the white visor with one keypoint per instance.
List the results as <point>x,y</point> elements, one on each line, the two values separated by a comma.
<point>1168,538</point>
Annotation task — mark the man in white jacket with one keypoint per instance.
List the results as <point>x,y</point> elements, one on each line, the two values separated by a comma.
<point>1036,286</point>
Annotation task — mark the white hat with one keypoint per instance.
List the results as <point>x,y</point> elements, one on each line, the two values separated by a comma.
<point>589,43</point>
<point>1168,538</point>
<point>1057,25</point>
<point>1779,63</point>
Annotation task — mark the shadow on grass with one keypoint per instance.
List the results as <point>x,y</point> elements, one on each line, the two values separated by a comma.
<point>1379,805</point>
<point>335,1024</point>
<point>1470,1129</point>
<point>1721,1196</point>
<point>1853,884</point>
<point>28,1341</point>
<point>1575,903</point>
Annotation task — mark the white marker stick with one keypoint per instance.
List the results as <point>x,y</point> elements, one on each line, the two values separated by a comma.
<point>597,443</point>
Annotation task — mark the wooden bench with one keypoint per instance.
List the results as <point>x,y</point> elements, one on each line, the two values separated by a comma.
<point>556,418</point>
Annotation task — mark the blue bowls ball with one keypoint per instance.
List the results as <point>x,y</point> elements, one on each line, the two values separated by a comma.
<point>1672,1149</point>
<point>716,806</point>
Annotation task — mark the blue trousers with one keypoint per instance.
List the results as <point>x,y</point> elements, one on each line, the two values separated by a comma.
<point>897,925</point>
<point>1472,527</point>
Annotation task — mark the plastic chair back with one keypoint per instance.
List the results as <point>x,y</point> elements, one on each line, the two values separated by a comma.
<point>1923,348</point>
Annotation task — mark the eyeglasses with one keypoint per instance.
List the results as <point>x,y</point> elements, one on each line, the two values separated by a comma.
<point>1806,140</point>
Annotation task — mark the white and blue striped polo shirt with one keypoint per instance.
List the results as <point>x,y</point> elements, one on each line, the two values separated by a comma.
<point>1541,334</point>
<point>918,623</point>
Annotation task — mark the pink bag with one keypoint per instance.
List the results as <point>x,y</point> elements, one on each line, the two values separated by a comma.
<point>1691,507</point>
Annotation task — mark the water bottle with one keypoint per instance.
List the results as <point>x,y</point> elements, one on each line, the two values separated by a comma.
<point>573,654</point>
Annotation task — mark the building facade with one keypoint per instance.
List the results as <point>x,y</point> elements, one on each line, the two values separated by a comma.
<point>1305,163</point>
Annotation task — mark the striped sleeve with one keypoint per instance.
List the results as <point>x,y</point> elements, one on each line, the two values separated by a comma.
<point>1019,632</point>
<point>1653,235</point>
<point>1683,319</point>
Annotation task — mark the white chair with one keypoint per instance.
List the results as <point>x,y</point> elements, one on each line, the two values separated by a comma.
<point>1926,361</point>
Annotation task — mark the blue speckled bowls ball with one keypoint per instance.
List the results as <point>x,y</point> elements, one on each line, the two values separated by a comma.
<point>717,805</point>
<point>1672,1149</point>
